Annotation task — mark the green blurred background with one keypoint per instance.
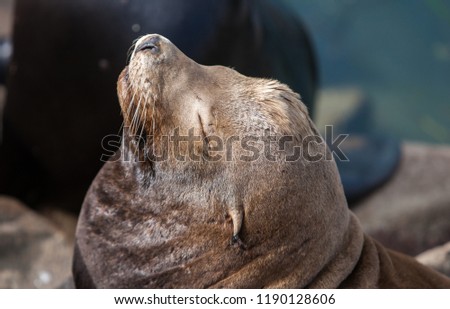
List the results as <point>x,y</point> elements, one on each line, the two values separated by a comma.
<point>396,52</point>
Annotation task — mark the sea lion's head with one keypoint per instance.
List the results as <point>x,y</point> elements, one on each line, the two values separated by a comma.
<point>255,216</point>
<point>162,89</point>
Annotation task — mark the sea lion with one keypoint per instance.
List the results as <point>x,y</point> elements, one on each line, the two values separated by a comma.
<point>254,215</point>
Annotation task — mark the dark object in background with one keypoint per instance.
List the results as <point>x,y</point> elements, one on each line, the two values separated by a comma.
<point>372,160</point>
<point>68,54</point>
<point>5,52</point>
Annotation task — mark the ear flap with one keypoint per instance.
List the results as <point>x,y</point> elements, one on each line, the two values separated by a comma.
<point>206,117</point>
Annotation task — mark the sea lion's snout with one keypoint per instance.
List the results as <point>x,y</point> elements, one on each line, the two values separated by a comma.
<point>151,43</point>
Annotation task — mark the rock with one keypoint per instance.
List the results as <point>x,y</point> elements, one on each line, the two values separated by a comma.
<point>437,258</point>
<point>33,253</point>
<point>63,220</point>
<point>410,213</point>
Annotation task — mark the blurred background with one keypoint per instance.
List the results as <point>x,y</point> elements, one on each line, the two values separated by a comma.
<point>376,70</point>
<point>395,52</point>
<point>6,7</point>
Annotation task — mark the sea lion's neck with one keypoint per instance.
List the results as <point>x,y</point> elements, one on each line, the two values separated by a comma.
<point>347,256</point>
<point>293,251</point>
<point>304,266</point>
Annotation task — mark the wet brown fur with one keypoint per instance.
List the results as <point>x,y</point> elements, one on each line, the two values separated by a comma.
<point>168,224</point>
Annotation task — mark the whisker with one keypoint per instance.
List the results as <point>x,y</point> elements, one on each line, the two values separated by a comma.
<point>153,111</point>
<point>131,49</point>
<point>143,124</point>
<point>130,105</point>
<point>131,126</point>
<point>134,121</point>
<point>121,127</point>
<point>153,117</point>
<point>141,112</point>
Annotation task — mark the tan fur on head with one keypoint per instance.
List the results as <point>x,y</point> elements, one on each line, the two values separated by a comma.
<point>169,223</point>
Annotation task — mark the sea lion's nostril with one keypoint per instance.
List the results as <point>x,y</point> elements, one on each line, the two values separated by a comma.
<point>151,44</point>
<point>144,46</point>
